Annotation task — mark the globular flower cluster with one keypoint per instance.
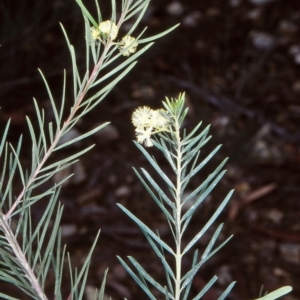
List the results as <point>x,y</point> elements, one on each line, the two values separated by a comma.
<point>95,33</point>
<point>106,29</point>
<point>148,122</point>
<point>109,30</point>
<point>128,45</point>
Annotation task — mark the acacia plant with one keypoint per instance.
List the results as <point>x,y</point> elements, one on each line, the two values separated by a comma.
<point>163,129</point>
<point>29,252</point>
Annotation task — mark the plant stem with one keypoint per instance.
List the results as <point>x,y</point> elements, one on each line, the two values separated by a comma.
<point>60,132</point>
<point>178,256</point>
<point>19,254</point>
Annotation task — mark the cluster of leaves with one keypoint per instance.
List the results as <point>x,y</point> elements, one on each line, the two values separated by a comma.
<point>30,251</point>
<point>182,152</point>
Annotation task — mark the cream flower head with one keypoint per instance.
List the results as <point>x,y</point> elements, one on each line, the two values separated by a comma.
<point>143,136</point>
<point>141,117</point>
<point>109,29</point>
<point>95,33</point>
<point>147,122</point>
<point>159,119</point>
<point>129,44</point>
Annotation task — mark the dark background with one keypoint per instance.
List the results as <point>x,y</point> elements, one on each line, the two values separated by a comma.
<point>239,63</point>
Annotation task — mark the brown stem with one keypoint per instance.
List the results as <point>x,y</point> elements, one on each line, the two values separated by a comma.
<point>19,254</point>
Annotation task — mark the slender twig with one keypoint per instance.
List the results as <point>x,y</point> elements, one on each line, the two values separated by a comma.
<point>19,254</point>
<point>178,213</point>
<point>60,132</point>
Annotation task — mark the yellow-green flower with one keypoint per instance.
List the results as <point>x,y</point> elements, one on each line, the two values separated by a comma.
<point>143,136</point>
<point>147,122</point>
<point>141,117</point>
<point>158,119</point>
<point>109,29</point>
<point>128,45</point>
<point>95,33</point>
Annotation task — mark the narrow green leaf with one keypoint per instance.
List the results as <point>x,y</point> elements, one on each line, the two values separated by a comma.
<point>155,165</point>
<point>98,12</point>
<point>48,252</point>
<point>190,274</point>
<point>45,177</point>
<point>122,65</point>
<point>187,138</point>
<point>17,160</point>
<point>86,13</point>
<point>63,97</point>
<point>185,179</point>
<point>137,280</point>
<point>276,294</point>
<point>113,11</point>
<point>133,5</point>
<point>160,255</point>
<point>41,119</point>
<point>149,278</point>
<point>188,285</point>
<point>44,222</point>
<point>133,12</point>
<point>53,106</point>
<point>203,195</point>
<point>76,79</point>
<point>58,267</point>
<point>66,160</point>
<point>206,288</point>
<point>158,189</point>
<point>81,137</point>
<point>146,229</point>
<point>204,162</point>
<point>206,182</point>
<point>85,266</point>
<point>108,87</point>
<point>13,163</point>
<point>191,151</point>
<point>28,201</point>
<point>32,135</point>
<point>168,155</point>
<point>143,9</point>
<point>3,174</point>
<point>157,201</point>
<point>84,279</point>
<point>4,296</point>
<point>78,95</point>
<point>4,135</point>
<point>209,223</point>
<point>227,291</point>
<point>51,135</point>
<point>102,288</point>
<point>157,36</point>
<point>212,242</point>
<point>89,44</point>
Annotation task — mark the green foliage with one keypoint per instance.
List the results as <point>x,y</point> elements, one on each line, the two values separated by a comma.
<point>276,294</point>
<point>182,152</point>
<point>29,251</point>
